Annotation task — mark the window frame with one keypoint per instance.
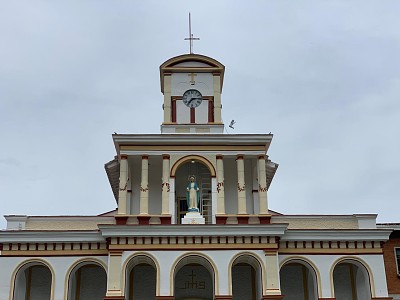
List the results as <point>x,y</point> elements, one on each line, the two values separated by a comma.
<point>397,259</point>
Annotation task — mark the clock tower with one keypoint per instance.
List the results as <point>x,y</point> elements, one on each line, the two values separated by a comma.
<point>192,87</point>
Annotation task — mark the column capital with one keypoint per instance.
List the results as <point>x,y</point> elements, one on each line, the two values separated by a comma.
<point>270,252</point>
<point>262,156</point>
<point>145,156</point>
<point>165,156</point>
<point>239,156</point>
<point>219,156</point>
<point>124,156</point>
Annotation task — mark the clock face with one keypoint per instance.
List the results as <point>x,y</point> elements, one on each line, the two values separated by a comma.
<point>192,98</point>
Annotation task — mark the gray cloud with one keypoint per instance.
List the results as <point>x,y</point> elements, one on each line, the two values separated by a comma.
<point>322,76</point>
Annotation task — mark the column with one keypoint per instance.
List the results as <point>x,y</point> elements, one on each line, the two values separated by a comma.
<point>167,98</point>
<point>123,185</point>
<point>262,185</point>
<point>242,209</point>
<point>165,185</point>
<point>217,98</point>
<point>114,286</point>
<point>220,185</point>
<point>144,186</point>
<point>273,290</point>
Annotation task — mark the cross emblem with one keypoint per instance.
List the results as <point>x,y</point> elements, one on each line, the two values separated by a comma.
<point>191,38</point>
<point>192,76</point>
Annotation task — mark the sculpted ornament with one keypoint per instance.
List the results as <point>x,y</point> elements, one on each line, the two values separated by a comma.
<point>192,195</point>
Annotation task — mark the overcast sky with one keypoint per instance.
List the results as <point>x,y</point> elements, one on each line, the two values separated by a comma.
<point>322,76</point>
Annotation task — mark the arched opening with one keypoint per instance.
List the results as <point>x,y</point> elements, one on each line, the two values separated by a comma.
<point>87,281</point>
<point>141,279</point>
<point>202,175</point>
<point>246,278</point>
<point>194,279</point>
<point>33,281</point>
<point>298,281</point>
<point>351,281</point>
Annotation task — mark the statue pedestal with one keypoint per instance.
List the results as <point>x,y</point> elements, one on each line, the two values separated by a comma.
<point>193,217</point>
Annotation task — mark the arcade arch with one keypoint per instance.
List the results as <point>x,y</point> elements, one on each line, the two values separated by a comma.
<point>141,278</point>
<point>33,280</point>
<point>194,278</point>
<point>299,280</point>
<point>246,276</point>
<point>87,280</point>
<point>351,280</point>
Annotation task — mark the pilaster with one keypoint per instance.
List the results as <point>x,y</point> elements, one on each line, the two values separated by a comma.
<point>167,98</point>
<point>114,286</point>
<point>273,290</point>
<point>220,185</point>
<point>241,187</point>
<point>217,98</point>
<point>262,185</point>
<point>123,186</point>
<point>165,185</point>
<point>144,186</point>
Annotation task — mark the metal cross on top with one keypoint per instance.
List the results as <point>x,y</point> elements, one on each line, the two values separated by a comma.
<point>191,38</point>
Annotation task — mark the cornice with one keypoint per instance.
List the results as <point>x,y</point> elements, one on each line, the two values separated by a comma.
<point>44,236</point>
<point>192,139</point>
<point>192,230</point>
<point>336,235</point>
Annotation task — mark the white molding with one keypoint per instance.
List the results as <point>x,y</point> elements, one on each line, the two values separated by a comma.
<point>50,236</point>
<point>200,152</point>
<point>192,139</point>
<point>193,230</point>
<point>337,235</point>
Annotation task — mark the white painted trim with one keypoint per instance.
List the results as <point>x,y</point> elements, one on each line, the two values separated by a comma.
<point>50,236</point>
<point>200,152</point>
<point>338,234</point>
<point>193,230</point>
<point>192,139</point>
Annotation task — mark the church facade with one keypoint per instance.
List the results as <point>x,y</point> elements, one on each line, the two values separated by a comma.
<point>192,220</point>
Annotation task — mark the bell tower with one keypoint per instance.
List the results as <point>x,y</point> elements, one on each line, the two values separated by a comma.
<point>192,87</point>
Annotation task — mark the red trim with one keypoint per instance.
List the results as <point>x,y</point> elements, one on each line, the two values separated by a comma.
<point>243,219</point>
<point>165,220</point>
<point>143,220</point>
<point>261,156</point>
<point>192,115</point>
<point>145,157</point>
<point>221,220</point>
<point>211,111</point>
<point>264,220</point>
<point>219,157</point>
<point>173,111</point>
<point>124,156</point>
<point>165,156</point>
<point>239,157</point>
<point>121,220</point>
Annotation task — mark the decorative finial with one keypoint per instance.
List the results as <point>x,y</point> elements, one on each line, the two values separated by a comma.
<point>191,38</point>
